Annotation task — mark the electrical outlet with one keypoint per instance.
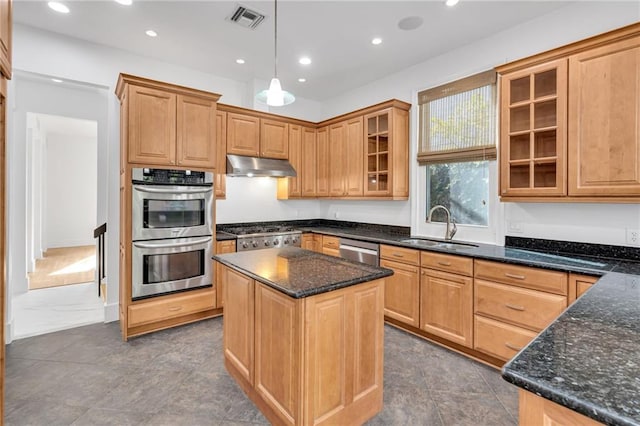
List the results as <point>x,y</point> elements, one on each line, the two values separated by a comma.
<point>633,237</point>
<point>336,215</point>
<point>516,227</point>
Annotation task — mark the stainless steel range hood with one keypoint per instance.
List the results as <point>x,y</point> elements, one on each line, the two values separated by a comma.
<point>239,165</point>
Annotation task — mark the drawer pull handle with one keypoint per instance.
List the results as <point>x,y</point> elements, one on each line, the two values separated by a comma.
<point>514,276</point>
<point>510,346</point>
<point>175,308</point>
<point>398,255</point>
<point>444,263</point>
<point>514,307</point>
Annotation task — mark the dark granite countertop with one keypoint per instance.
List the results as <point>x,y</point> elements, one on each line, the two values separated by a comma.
<point>300,273</point>
<point>587,360</point>
<point>224,236</point>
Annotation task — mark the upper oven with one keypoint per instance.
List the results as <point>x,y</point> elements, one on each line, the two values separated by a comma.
<point>166,206</point>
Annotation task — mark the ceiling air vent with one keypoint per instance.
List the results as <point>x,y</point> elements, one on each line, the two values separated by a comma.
<point>246,17</point>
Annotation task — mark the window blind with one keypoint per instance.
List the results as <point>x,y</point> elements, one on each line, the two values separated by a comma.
<point>458,120</point>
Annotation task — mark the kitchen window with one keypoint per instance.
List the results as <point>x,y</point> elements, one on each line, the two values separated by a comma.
<point>457,156</point>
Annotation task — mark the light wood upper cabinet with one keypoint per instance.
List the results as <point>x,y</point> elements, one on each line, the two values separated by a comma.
<point>337,166</point>
<point>604,125</point>
<point>166,125</point>
<point>295,158</point>
<point>533,130</point>
<point>569,122</point>
<point>274,139</point>
<point>220,183</point>
<point>322,162</point>
<point>5,37</point>
<point>152,126</point>
<point>308,164</point>
<point>386,153</point>
<point>243,135</point>
<point>196,132</point>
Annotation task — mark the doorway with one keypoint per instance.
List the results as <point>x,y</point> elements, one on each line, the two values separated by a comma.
<point>57,198</point>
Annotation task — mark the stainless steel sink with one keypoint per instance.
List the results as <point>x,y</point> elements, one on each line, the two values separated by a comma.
<point>449,245</point>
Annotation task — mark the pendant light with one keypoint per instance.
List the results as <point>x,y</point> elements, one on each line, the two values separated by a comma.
<point>275,96</point>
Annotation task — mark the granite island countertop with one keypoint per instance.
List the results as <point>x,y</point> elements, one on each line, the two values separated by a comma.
<point>300,273</point>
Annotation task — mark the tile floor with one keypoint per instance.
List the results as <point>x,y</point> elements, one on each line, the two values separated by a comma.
<point>88,376</point>
<point>52,309</point>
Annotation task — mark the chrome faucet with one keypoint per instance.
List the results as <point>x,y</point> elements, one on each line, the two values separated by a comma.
<point>451,231</point>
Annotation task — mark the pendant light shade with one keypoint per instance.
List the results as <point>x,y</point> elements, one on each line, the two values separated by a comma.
<point>274,95</point>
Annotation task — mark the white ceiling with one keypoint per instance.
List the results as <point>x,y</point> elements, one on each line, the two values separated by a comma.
<point>335,34</point>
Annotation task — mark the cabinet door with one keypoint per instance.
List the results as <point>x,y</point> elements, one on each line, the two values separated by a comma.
<point>604,129</point>
<point>537,411</point>
<point>337,160</point>
<point>243,135</point>
<point>578,284</point>
<point>238,337</point>
<point>353,154</point>
<point>401,293</point>
<point>3,150</point>
<point>221,247</point>
<point>307,242</point>
<point>308,163</point>
<point>278,343</point>
<point>533,115</point>
<point>220,183</point>
<point>5,37</point>
<point>274,139</point>
<point>322,162</point>
<point>152,126</point>
<point>196,132</point>
<point>295,158</point>
<point>446,306</point>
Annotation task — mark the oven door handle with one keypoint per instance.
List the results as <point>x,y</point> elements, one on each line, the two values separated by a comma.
<point>169,245</point>
<point>173,191</point>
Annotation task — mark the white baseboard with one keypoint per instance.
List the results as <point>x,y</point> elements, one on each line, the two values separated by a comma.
<point>111,312</point>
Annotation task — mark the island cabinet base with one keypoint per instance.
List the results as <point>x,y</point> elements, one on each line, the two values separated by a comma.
<point>309,361</point>
<point>537,411</point>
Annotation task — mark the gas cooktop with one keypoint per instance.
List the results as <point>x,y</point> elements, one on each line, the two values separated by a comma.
<point>262,237</point>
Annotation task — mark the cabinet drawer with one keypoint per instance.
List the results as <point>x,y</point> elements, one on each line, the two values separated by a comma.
<point>446,262</point>
<point>175,306</point>
<point>331,242</point>
<point>520,306</point>
<point>522,276</point>
<point>499,339</point>
<point>399,254</point>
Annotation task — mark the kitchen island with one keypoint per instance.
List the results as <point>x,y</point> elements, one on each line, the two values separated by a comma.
<point>303,334</point>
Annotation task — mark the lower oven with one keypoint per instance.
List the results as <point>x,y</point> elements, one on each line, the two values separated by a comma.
<point>360,251</point>
<point>170,265</point>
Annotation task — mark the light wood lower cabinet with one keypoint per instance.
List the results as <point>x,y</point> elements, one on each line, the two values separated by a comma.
<point>446,306</point>
<point>578,284</point>
<point>498,339</point>
<point>227,246</point>
<point>238,337</point>
<point>312,242</point>
<point>331,245</point>
<point>537,411</point>
<point>171,307</point>
<point>402,292</point>
<point>311,361</point>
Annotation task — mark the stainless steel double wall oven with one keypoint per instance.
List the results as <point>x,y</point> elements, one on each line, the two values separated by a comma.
<point>172,231</point>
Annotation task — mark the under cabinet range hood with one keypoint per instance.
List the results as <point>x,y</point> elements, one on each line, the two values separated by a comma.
<point>239,165</point>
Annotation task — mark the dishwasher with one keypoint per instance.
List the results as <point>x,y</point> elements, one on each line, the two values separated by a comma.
<point>360,251</point>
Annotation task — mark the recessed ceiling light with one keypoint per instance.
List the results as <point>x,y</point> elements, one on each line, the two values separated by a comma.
<point>410,23</point>
<point>302,80</point>
<point>125,2</point>
<point>58,7</point>
<point>56,80</point>
<point>451,2</point>
<point>376,41</point>
<point>240,61</point>
<point>151,33</point>
<point>305,60</point>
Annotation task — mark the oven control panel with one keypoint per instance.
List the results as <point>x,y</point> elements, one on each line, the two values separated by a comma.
<point>171,177</point>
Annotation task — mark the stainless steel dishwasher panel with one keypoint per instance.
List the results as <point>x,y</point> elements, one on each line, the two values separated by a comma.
<point>360,251</point>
